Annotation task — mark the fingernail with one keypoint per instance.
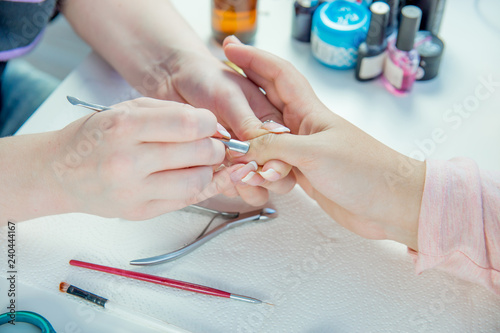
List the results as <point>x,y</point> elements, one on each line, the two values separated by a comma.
<point>270,175</point>
<point>222,131</point>
<point>274,127</point>
<point>253,179</point>
<point>234,39</point>
<point>253,165</point>
<point>219,168</point>
<point>243,172</point>
<point>248,177</point>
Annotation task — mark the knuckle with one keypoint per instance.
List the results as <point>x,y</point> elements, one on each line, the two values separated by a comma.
<point>210,151</point>
<point>194,122</point>
<point>268,139</point>
<point>250,126</point>
<point>120,122</point>
<point>189,123</point>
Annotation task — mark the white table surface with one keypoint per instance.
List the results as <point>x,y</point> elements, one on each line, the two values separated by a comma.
<point>471,34</point>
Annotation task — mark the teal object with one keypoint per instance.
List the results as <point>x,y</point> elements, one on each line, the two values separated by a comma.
<point>28,317</point>
<point>337,30</point>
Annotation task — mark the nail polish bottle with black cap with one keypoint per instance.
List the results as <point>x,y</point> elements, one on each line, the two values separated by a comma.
<point>302,19</point>
<point>392,23</point>
<point>372,52</point>
<point>402,59</point>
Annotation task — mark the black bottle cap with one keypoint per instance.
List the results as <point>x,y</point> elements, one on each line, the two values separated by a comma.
<point>378,23</point>
<point>410,21</point>
<point>307,3</point>
<point>393,16</point>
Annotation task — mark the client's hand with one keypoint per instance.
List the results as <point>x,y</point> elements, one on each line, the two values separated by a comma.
<point>349,173</point>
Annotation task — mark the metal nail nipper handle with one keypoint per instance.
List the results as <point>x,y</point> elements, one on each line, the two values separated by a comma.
<point>264,214</point>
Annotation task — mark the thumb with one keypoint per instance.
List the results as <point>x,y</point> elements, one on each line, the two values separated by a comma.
<point>296,150</point>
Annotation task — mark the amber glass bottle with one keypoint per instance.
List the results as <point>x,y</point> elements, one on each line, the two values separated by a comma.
<point>234,17</point>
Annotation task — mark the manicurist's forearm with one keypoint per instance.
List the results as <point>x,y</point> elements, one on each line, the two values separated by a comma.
<point>28,183</point>
<point>138,38</point>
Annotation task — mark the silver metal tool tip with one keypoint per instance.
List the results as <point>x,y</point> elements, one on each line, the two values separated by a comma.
<point>236,145</point>
<point>245,299</point>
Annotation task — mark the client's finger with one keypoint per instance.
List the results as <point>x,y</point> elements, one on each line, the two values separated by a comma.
<point>283,83</point>
<point>274,170</point>
<point>253,195</point>
<point>283,185</point>
<point>280,151</point>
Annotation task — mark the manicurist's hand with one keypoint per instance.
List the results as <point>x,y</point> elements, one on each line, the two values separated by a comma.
<point>204,81</point>
<point>353,177</point>
<point>159,54</point>
<point>138,160</point>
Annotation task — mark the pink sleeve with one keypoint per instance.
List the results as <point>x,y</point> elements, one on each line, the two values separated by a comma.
<point>459,225</point>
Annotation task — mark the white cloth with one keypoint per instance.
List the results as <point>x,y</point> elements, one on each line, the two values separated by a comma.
<point>321,277</point>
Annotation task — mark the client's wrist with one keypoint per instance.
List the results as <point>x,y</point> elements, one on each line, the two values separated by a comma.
<point>408,197</point>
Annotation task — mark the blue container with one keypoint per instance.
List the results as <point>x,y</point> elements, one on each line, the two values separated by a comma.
<point>337,30</point>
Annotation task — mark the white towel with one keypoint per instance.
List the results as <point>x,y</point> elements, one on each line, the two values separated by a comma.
<point>321,277</point>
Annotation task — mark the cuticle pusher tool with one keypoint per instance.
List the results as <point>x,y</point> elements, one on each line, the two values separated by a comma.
<point>78,102</point>
<point>231,144</point>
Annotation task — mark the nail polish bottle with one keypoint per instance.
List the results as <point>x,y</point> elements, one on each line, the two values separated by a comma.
<point>430,49</point>
<point>302,19</point>
<point>392,23</point>
<point>234,17</point>
<point>432,14</point>
<point>338,28</point>
<point>372,52</point>
<point>402,59</point>
<point>366,3</point>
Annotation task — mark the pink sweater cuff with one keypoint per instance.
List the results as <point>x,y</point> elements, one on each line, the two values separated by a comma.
<point>459,224</point>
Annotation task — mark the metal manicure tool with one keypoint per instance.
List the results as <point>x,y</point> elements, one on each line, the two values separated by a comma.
<point>79,102</point>
<point>262,215</point>
<point>236,145</point>
<point>231,144</point>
